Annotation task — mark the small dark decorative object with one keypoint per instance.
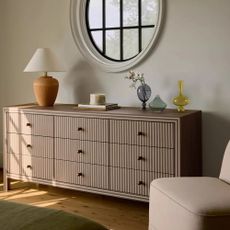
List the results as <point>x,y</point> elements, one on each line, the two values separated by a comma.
<point>143,91</point>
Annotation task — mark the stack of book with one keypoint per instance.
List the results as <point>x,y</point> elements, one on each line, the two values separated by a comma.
<point>107,106</point>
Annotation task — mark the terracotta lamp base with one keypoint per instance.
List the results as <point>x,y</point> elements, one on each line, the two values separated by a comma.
<point>45,90</point>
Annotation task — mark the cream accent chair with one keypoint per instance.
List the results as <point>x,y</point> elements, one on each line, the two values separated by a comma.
<point>191,203</point>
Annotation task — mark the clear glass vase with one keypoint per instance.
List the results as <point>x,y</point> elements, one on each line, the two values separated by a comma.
<point>144,93</point>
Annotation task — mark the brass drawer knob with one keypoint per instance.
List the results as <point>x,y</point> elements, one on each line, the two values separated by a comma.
<point>140,158</point>
<point>80,174</point>
<point>141,183</point>
<point>140,133</point>
<point>29,166</point>
<point>80,129</point>
<point>29,146</point>
<point>79,151</point>
<point>28,124</point>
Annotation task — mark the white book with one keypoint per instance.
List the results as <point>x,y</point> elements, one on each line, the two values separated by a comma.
<point>107,106</point>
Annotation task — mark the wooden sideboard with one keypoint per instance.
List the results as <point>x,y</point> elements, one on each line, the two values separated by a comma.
<point>117,152</point>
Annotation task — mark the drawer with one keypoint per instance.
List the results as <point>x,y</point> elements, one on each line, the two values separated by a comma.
<point>82,151</point>
<point>81,128</point>
<point>133,181</point>
<point>14,164</point>
<point>30,124</point>
<point>37,167</point>
<point>81,174</point>
<point>38,146</point>
<point>158,134</point>
<point>143,158</point>
<point>30,167</point>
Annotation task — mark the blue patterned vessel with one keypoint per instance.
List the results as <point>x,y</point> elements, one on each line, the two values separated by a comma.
<point>144,93</point>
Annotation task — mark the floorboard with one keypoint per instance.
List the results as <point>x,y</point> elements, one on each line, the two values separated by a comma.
<point>115,213</point>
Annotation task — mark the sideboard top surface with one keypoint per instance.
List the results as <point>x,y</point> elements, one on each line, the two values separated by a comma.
<point>122,111</point>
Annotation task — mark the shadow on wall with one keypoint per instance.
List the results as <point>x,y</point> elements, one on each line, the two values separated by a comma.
<point>82,81</point>
<point>216,134</point>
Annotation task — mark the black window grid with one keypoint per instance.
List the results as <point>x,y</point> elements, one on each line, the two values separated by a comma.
<point>121,28</point>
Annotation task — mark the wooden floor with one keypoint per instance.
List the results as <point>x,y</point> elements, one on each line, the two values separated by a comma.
<point>115,213</point>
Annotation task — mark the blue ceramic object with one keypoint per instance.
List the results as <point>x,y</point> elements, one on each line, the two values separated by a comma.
<point>157,104</point>
<point>144,93</point>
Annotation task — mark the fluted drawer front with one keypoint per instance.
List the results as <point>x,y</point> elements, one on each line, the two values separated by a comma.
<point>81,174</point>
<point>133,181</point>
<point>30,167</point>
<point>30,124</point>
<point>14,164</point>
<point>158,134</point>
<point>143,158</point>
<point>82,151</point>
<point>30,145</point>
<point>37,167</point>
<point>82,128</point>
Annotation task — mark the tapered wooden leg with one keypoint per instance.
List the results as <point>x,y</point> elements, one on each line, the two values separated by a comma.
<point>37,185</point>
<point>6,184</point>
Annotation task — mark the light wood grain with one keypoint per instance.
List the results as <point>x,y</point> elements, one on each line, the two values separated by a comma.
<point>114,213</point>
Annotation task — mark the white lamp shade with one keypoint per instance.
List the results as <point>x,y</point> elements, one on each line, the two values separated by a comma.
<point>44,60</point>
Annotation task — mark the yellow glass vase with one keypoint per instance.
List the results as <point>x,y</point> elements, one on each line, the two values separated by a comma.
<point>181,100</point>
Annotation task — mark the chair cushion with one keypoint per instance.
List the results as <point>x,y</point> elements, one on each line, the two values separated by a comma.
<point>185,203</point>
<point>225,171</point>
<point>200,195</point>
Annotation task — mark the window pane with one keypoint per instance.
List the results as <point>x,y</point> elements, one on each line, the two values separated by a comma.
<point>110,24</point>
<point>149,12</point>
<point>147,35</point>
<point>130,43</point>
<point>97,37</point>
<point>112,13</point>
<point>95,14</point>
<point>113,44</point>
<point>130,12</point>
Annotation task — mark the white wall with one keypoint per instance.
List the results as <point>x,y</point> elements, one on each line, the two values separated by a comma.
<point>194,46</point>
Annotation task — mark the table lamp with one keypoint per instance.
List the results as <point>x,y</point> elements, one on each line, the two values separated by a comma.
<point>45,87</point>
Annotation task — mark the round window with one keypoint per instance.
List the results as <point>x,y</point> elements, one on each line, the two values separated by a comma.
<point>115,34</point>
